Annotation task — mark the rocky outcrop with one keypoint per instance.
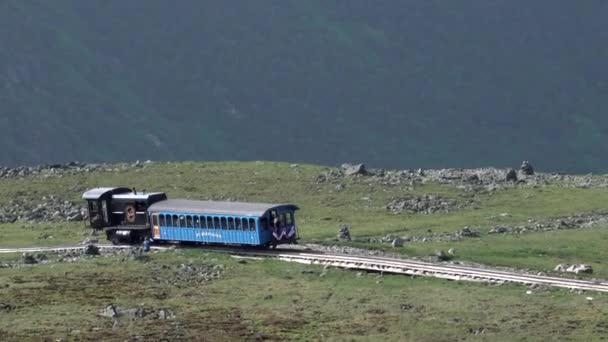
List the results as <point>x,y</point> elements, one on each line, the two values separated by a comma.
<point>70,168</point>
<point>580,268</point>
<point>426,204</point>
<point>353,169</point>
<point>474,180</point>
<point>47,209</point>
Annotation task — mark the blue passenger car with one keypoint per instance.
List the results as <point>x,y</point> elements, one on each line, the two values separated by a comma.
<point>213,222</point>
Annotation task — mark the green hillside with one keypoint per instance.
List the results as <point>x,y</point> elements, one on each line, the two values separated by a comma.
<point>194,294</point>
<point>395,84</point>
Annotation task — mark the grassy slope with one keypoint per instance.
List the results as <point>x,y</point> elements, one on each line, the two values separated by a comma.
<point>308,303</point>
<point>323,208</point>
<point>304,305</point>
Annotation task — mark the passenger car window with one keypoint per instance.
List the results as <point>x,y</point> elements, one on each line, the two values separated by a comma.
<point>264,223</point>
<point>288,219</point>
<point>282,220</point>
<point>251,224</point>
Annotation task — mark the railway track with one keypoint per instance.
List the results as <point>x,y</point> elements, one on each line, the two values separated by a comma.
<point>376,264</point>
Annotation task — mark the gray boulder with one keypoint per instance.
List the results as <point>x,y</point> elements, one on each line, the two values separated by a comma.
<point>6,307</point>
<point>29,259</point>
<point>110,311</point>
<point>91,249</point>
<point>353,169</point>
<point>526,168</point>
<point>442,256</point>
<point>511,176</point>
<point>467,232</point>
<point>582,268</point>
<point>398,242</point>
<point>165,314</point>
<point>498,230</point>
<point>74,217</point>
<point>90,240</point>
<point>344,233</point>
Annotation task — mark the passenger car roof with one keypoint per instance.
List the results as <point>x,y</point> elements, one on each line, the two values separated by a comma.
<point>216,207</point>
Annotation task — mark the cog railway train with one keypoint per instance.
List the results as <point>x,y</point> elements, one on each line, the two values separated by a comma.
<point>129,216</point>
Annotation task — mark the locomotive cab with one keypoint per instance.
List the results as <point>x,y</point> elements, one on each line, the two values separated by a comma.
<point>121,212</point>
<point>99,204</point>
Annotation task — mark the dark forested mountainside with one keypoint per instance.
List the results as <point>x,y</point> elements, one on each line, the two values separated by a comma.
<point>393,83</point>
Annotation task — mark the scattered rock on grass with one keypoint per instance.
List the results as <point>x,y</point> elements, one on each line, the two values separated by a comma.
<point>46,209</point>
<point>511,176</point>
<point>165,314</point>
<point>114,311</point>
<point>353,169</point>
<point>29,259</point>
<point>526,168</point>
<point>6,307</point>
<point>109,311</point>
<point>344,233</point>
<point>560,268</point>
<point>406,307</point>
<point>442,256</point>
<point>581,268</point>
<point>90,240</point>
<point>91,249</point>
<point>467,232</point>
<point>398,242</point>
<point>498,230</point>
<point>426,204</point>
